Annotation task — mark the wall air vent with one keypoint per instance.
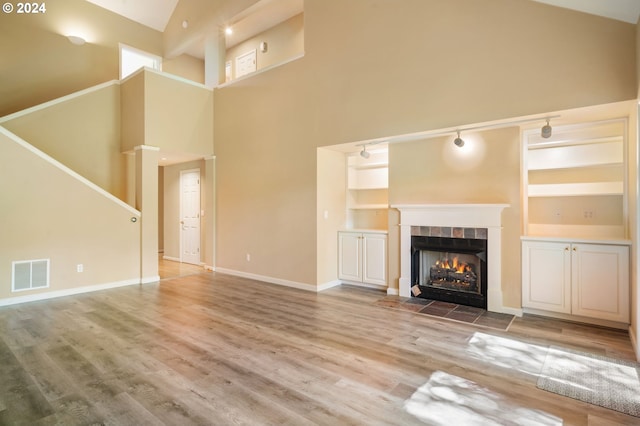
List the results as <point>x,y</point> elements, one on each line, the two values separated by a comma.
<point>29,274</point>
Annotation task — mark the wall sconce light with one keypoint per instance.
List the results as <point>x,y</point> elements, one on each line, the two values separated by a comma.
<point>546,130</point>
<point>77,40</point>
<point>458,141</point>
<point>364,153</point>
<point>264,47</point>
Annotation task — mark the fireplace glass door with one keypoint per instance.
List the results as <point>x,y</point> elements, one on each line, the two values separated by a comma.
<point>450,269</point>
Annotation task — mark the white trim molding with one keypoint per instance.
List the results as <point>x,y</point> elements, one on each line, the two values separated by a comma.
<point>487,216</point>
<point>278,281</point>
<point>67,292</point>
<point>55,163</point>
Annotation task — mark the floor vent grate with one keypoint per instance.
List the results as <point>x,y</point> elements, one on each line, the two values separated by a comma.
<point>30,274</point>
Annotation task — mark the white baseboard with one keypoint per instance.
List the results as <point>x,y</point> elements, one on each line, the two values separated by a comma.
<point>579,319</point>
<point>209,267</point>
<point>511,311</point>
<point>393,291</point>
<point>67,292</point>
<point>271,280</point>
<point>365,285</point>
<point>328,285</point>
<point>148,280</point>
<point>173,259</point>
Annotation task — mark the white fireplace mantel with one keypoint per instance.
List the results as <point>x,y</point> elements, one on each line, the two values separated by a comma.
<point>487,216</point>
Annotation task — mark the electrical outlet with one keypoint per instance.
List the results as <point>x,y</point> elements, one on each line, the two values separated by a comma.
<point>589,214</point>
<point>248,257</point>
<point>80,267</point>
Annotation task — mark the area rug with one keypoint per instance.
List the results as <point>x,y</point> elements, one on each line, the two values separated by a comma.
<point>598,380</point>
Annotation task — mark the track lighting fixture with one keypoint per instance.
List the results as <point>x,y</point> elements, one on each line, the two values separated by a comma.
<point>458,141</point>
<point>545,132</point>
<point>364,153</point>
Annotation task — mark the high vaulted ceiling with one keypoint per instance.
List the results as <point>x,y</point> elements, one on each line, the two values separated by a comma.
<point>156,13</point>
<point>265,14</point>
<point>152,13</point>
<point>621,10</point>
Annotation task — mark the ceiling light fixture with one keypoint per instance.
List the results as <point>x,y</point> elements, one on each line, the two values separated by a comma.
<point>364,153</point>
<point>546,130</point>
<point>458,141</point>
<point>77,40</point>
<point>228,31</point>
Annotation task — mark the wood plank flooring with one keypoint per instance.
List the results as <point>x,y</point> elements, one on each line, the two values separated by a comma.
<point>211,349</point>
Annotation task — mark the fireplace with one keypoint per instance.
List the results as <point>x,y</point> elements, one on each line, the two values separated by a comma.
<point>450,269</point>
<point>486,217</point>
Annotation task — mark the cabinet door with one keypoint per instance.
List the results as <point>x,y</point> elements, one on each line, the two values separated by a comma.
<point>374,259</point>
<point>350,256</point>
<point>546,276</point>
<point>600,283</point>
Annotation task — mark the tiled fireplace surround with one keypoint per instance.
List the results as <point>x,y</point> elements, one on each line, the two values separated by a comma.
<point>481,221</point>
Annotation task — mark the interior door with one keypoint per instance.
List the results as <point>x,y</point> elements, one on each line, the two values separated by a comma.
<point>190,216</point>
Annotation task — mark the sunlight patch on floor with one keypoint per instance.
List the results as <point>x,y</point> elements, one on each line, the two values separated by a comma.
<point>447,400</point>
<point>507,353</point>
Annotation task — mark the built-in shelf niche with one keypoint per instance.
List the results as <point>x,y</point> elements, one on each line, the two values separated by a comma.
<point>575,181</point>
<point>367,189</point>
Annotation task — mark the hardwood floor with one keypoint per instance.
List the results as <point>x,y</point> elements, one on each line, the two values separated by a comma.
<point>214,349</point>
<point>172,269</point>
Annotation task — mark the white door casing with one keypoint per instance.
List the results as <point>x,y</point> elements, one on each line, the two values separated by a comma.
<point>190,216</point>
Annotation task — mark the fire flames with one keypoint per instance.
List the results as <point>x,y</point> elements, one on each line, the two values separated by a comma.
<point>453,264</point>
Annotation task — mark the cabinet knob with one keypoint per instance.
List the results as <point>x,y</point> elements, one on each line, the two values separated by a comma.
<point>575,249</point>
<point>566,249</point>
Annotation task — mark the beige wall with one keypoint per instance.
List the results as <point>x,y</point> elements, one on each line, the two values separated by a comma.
<point>284,41</point>
<point>375,69</point>
<point>39,63</point>
<point>332,200</point>
<point>132,110</point>
<point>185,66</point>
<point>50,214</point>
<point>170,114</point>
<point>634,229</point>
<point>178,115</point>
<point>161,209</point>
<point>634,143</point>
<point>82,133</point>
<point>638,56</point>
<point>147,203</point>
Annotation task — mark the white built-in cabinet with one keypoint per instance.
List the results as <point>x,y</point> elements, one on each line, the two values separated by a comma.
<point>575,248</point>
<point>362,258</point>
<point>362,245</point>
<point>581,279</point>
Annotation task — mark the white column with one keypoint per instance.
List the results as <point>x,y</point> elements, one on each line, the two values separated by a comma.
<point>404,283</point>
<point>214,58</point>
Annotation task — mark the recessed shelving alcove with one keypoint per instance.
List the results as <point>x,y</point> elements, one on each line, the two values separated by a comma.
<point>575,181</point>
<point>368,189</point>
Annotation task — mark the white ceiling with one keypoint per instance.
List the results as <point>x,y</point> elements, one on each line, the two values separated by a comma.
<point>152,13</point>
<point>156,13</point>
<point>621,10</point>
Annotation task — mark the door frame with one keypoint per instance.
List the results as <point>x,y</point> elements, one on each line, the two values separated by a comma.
<point>180,214</point>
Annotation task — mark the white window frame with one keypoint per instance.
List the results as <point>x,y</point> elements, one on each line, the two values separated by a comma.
<point>146,59</point>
